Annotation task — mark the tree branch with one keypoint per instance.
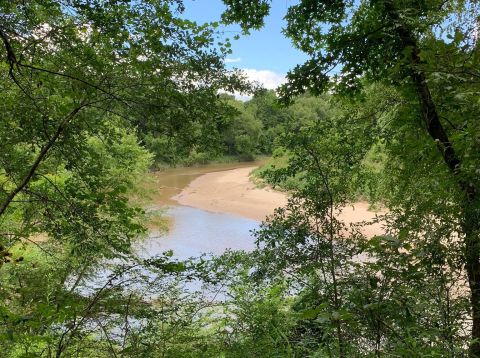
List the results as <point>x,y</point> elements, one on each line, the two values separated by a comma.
<point>41,156</point>
<point>430,114</point>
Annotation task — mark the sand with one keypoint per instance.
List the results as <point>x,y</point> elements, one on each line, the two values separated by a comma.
<point>359,212</point>
<point>232,192</point>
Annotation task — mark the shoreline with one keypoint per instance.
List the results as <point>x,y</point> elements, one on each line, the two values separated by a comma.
<point>232,192</point>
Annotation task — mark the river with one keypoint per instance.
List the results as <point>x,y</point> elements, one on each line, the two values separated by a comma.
<point>221,206</point>
<point>194,231</point>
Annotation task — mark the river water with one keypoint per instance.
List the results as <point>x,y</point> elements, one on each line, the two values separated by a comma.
<point>192,231</point>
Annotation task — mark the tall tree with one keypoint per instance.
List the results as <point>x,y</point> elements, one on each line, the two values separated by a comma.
<point>423,48</point>
<point>79,80</point>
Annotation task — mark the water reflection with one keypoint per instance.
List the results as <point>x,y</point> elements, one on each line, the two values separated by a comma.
<point>196,231</point>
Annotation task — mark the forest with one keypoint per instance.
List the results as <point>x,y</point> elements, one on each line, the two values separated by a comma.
<point>96,95</point>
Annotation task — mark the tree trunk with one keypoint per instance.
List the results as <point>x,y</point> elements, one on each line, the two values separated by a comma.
<point>471,227</point>
<point>471,208</point>
<point>41,156</point>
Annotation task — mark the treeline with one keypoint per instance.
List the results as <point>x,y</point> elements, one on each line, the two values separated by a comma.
<point>240,131</point>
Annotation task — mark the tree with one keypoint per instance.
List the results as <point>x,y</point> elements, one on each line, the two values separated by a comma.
<point>75,70</point>
<point>398,293</point>
<point>420,48</point>
<point>83,82</point>
<point>265,108</point>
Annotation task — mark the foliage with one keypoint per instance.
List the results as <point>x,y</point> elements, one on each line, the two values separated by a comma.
<point>398,58</point>
<point>94,92</point>
<point>358,296</point>
<point>83,84</point>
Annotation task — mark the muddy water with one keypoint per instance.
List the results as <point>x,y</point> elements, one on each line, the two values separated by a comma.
<point>170,182</point>
<point>194,231</point>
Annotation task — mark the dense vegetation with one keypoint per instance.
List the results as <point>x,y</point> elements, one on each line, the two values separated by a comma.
<point>95,92</point>
<point>246,130</point>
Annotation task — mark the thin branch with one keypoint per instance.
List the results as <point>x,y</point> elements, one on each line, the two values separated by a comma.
<point>41,156</point>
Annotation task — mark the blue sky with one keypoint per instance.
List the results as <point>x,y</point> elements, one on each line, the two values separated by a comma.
<point>265,55</point>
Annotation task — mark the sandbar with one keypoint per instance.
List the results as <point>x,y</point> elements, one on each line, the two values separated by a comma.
<point>232,192</point>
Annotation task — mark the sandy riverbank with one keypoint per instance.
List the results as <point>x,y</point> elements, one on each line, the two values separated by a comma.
<point>232,192</point>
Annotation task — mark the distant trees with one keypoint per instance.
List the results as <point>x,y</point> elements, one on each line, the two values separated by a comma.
<point>250,131</point>
<point>255,127</point>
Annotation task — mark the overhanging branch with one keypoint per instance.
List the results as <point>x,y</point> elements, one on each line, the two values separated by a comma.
<point>41,156</point>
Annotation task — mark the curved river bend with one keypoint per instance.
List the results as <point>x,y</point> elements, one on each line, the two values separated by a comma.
<point>195,231</point>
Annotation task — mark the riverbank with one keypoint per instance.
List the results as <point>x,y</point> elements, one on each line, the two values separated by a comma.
<point>232,192</point>
<point>166,184</point>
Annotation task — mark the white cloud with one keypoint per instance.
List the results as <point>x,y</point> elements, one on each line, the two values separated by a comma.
<point>267,78</point>
<point>232,60</point>
<point>242,97</point>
